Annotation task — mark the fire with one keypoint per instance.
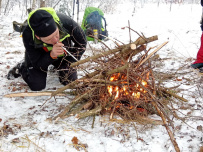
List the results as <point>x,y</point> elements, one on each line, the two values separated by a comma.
<point>124,88</point>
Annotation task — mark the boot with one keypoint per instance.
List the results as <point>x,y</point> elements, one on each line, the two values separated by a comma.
<point>197,65</point>
<point>16,71</point>
<point>201,70</point>
<point>67,76</point>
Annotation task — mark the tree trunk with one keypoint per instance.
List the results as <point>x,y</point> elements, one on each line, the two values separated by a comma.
<point>42,3</point>
<point>0,7</point>
<point>26,7</point>
<point>33,4</point>
<point>6,7</point>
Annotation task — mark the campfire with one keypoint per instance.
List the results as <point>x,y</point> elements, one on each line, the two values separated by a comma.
<point>127,94</point>
<point>122,84</point>
<point>124,90</point>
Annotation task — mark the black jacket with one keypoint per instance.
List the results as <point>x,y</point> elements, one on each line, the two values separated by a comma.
<point>37,57</point>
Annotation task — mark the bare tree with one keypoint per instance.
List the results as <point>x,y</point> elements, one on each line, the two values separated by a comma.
<point>33,4</point>
<point>42,3</point>
<point>0,7</point>
<point>6,7</point>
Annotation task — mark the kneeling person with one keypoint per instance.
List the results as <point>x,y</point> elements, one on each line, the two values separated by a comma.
<point>44,38</point>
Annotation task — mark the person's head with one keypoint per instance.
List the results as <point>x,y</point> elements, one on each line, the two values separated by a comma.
<point>44,26</point>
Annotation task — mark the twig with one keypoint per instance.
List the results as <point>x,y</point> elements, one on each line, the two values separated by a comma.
<point>89,113</point>
<point>176,96</point>
<point>73,103</point>
<point>152,54</point>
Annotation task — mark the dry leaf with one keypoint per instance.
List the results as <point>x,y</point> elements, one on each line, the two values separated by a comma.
<point>14,89</point>
<point>178,79</point>
<point>18,126</point>
<point>16,140</point>
<point>199,128</point>
<point>75,140</point>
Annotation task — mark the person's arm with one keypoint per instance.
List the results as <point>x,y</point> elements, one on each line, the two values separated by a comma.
<point>38,58</point>
<point>77,35</point>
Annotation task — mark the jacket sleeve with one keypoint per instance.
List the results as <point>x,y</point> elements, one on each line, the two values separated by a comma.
<point>77,35</point>
<point>35,57</point>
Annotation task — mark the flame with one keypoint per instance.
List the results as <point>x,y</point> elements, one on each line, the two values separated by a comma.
<point>136,95</point>
<point>134,91</point>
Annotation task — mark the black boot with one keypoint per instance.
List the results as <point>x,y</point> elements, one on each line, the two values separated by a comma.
<point>201,70</point>
<point>16,71</point>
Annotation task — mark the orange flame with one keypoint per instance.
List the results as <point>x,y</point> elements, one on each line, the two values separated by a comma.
<point>125,90</point>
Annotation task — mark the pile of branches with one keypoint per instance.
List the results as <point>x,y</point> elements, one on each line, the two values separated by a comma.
<point>121,83</point>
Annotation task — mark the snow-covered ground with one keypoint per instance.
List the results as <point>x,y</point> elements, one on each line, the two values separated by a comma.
<point>24,125</point>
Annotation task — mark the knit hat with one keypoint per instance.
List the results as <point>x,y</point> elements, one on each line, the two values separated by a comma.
<point>42,23</point>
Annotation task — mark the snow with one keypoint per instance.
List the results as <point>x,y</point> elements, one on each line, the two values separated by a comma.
<point>29,121</point>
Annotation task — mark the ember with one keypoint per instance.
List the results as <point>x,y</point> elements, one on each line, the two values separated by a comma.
<point>125,88</point>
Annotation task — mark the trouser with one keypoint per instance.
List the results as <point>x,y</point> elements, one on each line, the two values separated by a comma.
<point>36,78</point>
<point>199,58</point>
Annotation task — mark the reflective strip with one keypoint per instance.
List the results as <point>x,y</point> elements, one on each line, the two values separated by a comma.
<point>49,48</point>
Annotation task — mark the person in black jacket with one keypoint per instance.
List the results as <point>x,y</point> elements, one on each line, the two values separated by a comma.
<point>44,38</point>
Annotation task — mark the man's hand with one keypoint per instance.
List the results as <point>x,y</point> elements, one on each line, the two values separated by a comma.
<point>57,50</point>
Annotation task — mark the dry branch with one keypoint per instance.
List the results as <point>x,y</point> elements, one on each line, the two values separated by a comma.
<point>89,113</point>
<point>126,47</point>
<point>176,96</point>
<point>167,128</point>
<point>153,53</point>
<point>77,100</point>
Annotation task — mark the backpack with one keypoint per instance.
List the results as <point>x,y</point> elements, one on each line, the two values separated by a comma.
<point>94,20</point>
<point>19,27</point>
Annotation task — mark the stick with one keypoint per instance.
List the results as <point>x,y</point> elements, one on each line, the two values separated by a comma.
<point>70,85</point>
<point>73,84</point>
<point>176,96</point>
<point>73,103</point>
<point>31,94</point>
<point>89,113</point>
<point>167,128</point>
<point>152,53</point>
